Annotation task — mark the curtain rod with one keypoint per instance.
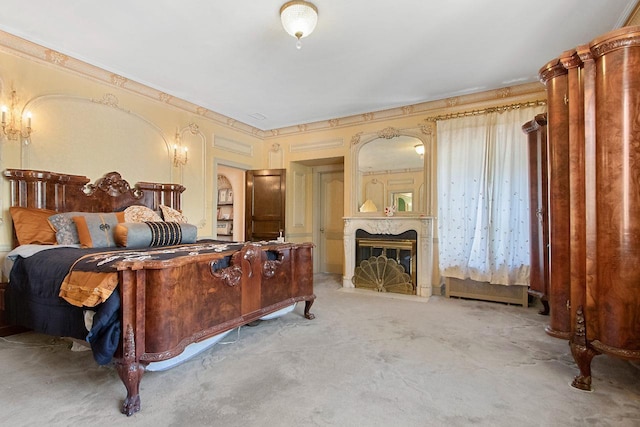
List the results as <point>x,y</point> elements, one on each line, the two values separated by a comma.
<point>499,109</point>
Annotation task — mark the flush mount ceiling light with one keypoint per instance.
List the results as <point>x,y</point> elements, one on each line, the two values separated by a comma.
<point>299,18</point>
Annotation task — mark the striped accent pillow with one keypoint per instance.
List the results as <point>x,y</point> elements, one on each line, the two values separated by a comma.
<point>152,233</point>
<point>165,233</point>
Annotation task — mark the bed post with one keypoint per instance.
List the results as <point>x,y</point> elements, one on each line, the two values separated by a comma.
<point>132,288</point>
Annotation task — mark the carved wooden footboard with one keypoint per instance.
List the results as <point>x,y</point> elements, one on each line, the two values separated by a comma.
<point>167,305</point>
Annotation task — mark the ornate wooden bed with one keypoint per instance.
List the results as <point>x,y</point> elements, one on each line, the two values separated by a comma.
<point>168,304</point>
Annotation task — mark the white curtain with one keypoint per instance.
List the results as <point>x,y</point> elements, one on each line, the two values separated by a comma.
<point>483,197</point>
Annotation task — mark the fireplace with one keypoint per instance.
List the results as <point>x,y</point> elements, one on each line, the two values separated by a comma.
<point>407,240</point>
<point>399,258</point>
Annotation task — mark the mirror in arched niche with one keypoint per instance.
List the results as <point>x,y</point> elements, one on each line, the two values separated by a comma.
<point>391,168</point>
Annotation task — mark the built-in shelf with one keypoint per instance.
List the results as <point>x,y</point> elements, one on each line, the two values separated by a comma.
<point>224,225</point>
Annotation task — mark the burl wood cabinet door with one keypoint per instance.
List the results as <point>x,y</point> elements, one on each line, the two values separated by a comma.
<point>265,204</point>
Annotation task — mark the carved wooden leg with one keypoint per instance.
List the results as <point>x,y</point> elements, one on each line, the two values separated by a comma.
<point>130,372</point>
<point>545,307</point>
<point>307,307</point>
<point>582,353</point>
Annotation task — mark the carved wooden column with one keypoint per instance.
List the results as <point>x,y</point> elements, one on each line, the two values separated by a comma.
<point>588,79</point>
<point>554,76</point>
<point>577,219</point>
<point>615,297</point>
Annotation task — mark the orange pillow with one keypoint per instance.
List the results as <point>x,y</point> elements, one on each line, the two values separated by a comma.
<point>32,225</point>
<point>95,230</point>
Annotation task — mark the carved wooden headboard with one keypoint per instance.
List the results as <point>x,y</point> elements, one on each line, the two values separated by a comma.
<point>66,193</point>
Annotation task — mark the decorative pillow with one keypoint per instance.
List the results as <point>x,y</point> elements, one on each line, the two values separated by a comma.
<point>32,227</point>
<point>140,214</point>
<point>172,215</point>
<point>147,234</point>
<point>96,230</point>
<point>65,228</point>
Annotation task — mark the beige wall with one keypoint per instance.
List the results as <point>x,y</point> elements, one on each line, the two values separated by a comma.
<point>85,126</point>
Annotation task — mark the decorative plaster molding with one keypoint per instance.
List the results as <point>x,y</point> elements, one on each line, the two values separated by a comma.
<point>17,46</point>
<point>56,57</point>
<point>389,133</point>
<point>32,51</point>
<point>523,91</point>
<point>194,129</point>
<point>299,191</point>
<point>233,146</point>
<point>107,100</point>
<point>110,100</point>
<point>503,93</point>
<point>276,156</point>
<point>452,102</point>
<point>314,146</point>
<point>118,80</point>
<point>407,110</point>
<point>399,182</point>
<point>164,97</point>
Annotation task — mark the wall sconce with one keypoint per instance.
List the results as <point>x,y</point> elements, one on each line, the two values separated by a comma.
<point>419,149</point>
<point>179,152</point>
<point>13,130</point>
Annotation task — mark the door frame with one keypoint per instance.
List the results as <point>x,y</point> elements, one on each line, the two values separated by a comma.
<point>227,163</point>
<point>317,172</point>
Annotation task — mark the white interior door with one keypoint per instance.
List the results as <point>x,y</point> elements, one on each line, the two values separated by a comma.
<point>331,246</point>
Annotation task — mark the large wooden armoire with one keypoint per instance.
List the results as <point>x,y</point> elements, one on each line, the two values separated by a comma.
<point>593,131</point>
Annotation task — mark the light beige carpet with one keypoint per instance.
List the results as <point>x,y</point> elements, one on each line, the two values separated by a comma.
<point>364,361</point>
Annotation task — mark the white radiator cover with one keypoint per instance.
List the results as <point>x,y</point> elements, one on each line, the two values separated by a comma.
<point>471,289</point>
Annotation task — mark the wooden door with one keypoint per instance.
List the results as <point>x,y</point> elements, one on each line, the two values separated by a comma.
<point>331,245</point>
<point>265,204</point>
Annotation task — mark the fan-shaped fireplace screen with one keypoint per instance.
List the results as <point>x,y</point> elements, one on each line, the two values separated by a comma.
<point>385,265</point>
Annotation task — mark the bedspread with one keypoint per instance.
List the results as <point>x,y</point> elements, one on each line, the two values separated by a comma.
<point>66,281</point>
<point>33,301</point>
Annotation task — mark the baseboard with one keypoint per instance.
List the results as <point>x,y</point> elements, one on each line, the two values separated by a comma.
<point>486,291</point>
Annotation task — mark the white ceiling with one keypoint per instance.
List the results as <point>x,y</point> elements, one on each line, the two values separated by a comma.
<point>233,56</point>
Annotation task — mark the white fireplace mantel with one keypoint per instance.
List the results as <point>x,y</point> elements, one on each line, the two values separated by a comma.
<point>392,225</point>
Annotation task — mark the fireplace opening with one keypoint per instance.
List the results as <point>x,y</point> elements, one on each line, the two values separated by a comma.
<point>386,263</point>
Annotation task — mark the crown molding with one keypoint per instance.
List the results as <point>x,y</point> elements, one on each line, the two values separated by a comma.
<point>527,90</point>
<point>20,47</point>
